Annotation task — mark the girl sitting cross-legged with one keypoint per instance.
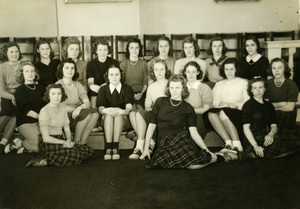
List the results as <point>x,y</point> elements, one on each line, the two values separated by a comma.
<point>114,102</point>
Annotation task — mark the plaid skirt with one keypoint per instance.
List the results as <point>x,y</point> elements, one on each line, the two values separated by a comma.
<point>286,122</point>
<point>57,155</point>
<point>277,148</point>
<point>178,151</point>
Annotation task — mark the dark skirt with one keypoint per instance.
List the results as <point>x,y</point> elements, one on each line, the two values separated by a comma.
<point>286,122</point>
<point>82,115</point>
<point>278,147</point>
<point>7,108</point>
<point>57,155</point>
<point>177,151</point>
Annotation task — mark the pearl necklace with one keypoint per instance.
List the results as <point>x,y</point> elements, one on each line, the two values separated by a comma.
<point>175,105</point>
<point>31,87</point>
<point>278,83</point>
<point>133,62</point>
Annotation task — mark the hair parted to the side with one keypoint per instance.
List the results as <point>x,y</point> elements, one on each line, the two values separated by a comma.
<point>37,47</point>
<point>287,70</point>
<point>8,45</point>
<point>69,41</point>
<point>178,78</point>
<point>190,39</point>
<point>164,38</point>
<point>105,76</point>
<point>230,61</point>
<point>134,40</point>
<point>217,38</point>
<point>167,71</point>
<point>104,43</point>
<point>255,39</point>
<point>255,79</point>
<point>20,75</point>
<point>55,86</point>
<point>197,66</point>
<point>60,73</point>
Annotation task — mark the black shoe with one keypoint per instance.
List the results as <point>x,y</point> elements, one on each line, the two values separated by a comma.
<point>36,162</point>
<point>2,149</point>
<point>244,156</point>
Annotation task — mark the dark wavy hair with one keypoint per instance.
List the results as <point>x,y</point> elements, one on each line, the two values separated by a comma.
<point>151,71</point>
<point>102,42</point>
<point>134,40</point>
<point>113,66</point>
<point>255,79</point>
<point>197,66</point>
<point>60,73</point>
<point>8,45</point>
<point>20,75</point>
<point>178,78</point>
<point>255,39</point>
<point>164,38</point>
<point>69,41</point>
<point>287,70</point>
<point>230,61</point>
<point>37,46</point>
<point>55,86</point>
<point>218,38</point>
<point>195,44</point>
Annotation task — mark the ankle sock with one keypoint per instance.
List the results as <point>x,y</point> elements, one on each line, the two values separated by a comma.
<point>140,144</point>
<point>3,141</point>
<point>238,145</point>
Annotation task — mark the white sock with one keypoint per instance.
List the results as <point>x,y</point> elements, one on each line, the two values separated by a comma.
<point>4,141</point>
<point>228,142</point>
<point>140,144</point>
<point>238,145</point>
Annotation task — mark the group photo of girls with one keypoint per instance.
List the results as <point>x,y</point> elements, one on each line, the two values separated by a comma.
<point>167,106</point>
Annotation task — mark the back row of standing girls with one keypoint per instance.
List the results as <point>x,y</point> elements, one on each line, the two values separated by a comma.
<point>136,76</point>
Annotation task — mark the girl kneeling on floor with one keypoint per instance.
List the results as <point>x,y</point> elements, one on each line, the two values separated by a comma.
<point>56,146</point>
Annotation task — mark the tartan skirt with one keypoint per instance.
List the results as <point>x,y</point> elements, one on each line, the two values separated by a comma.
<point>286,122</point>
<point>177,151</point>
<point>57,155</point>
<point>277,148</point>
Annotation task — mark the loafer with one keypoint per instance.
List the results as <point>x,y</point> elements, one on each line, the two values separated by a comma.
<point>135,155</point>
<point>115,155</point>
<point>36,162</point>
<point>108,154</point>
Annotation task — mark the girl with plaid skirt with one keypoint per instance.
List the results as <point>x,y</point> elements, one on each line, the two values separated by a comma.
<point>179,144</point>
<point>259,125</point>
<point>56,147</point>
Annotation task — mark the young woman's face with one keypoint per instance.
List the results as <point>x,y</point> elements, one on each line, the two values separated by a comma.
<point>191,73</point>
<point>258,89</point>
<point>217,48</point>
<point>13,54</point>
<point>175,89</point>
<point>44,50</point>
<point>230,70</point>
<point>278,70</point>
<point>102,51</point>
<point>134,49</point>
<point>251,47</point>
<point>28,73</point>
<point>68,70</point>
<point>55,95</point>
<point>189,50</point>
<point>73,51</point>
<point>163,48</point>
<point>159,70</point>
<point>114,75</point>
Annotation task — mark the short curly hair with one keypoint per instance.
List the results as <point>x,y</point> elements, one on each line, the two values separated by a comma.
<point>20,75</point>
<point>190,39</point>
<point>55,86</point>
<point>287,70</point>
<point>178,78</point>
<point>68,42</point>
<point>60,73</point>
<point>8,45</point>
<point>197,66</point>
<point>255,79</point>
<point>114,66</point>
<point>151,71</point>
<point>230,61</point>
<point>134,40</point>
<point>164,38</point>
<point>217,38</point>
<point>102,42</point>
<point>255,39</point>
<point>37,46</point>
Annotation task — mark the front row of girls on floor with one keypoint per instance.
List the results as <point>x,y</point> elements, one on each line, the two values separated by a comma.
<point>171,107</point>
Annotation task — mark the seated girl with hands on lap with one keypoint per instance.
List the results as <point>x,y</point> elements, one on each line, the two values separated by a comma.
<point>114,103</point>
<point>56,146</point>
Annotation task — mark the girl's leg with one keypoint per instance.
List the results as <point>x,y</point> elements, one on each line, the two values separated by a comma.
<point>89,125</point>
<point>118,127</point>
<point>3,121</point>
<point>213,160</point>
<point>108,132</point>
<point>30,131</point>
<point>219,127</point>
<point>9,128</point>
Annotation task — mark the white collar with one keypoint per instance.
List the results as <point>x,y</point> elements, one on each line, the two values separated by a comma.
<point>112,88</point>
<point>248,58</point>
<point>195,85</point>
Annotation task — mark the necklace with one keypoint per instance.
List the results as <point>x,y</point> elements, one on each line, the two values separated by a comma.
<point>133,62</point>
<point>278,83</point>
<point>175,105</point>
<point>34,86</point>
<point>69,86</point>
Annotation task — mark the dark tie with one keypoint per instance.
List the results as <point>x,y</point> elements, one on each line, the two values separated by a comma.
<point>251,62</point>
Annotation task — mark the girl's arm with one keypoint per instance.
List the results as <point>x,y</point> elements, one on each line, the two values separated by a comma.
<point>3,91</point>
<point>197,138</point>
<point>149,134</point>
<point>249,135</point>
<point>284,106</point>
<point>92,85</point>
<point>33,114</point>
<point>269,138</point>
<point>201,110</point>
